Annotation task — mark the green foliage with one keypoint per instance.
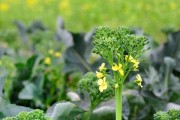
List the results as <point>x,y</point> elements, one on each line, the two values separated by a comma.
<point>33,115</point>
<point>39,77</point>
<point>172,114</point>
<point>38,85</point>
<point>78,55</point>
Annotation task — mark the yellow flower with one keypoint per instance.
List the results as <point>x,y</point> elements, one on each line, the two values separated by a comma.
<point>121,72</point>
<point>99,74</point>
<point>4,7</point>
<point>47,60</point>
<point>102,67</point>
<point>57,54</point>
<point>131,59</point>
<point>173,6</point>
<point>135,66</point>
<point>102,84</point>
<point>139,80</point>
<point>116,67</point>
<point>64,5</point>
<point>51,51</point>
<point>31,2</point>
<point>116,86</point>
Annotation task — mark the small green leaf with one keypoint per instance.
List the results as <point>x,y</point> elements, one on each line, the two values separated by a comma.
<point>29,92</point>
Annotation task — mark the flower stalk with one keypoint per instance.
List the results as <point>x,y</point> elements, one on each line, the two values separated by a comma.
<point>118,97</point>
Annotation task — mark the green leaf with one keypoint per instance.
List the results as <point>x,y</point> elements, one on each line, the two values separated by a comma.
<point>2,79</point>
<point>66,111</point>
<point>157,104</point>
<point>1,115</point>
<point>29,92</point>
<point>169,49</point>
<point>77,56</point>
<point>12,110</point>
<point>159,79</point>
<point>174,88</point>
<point>134,97</point>
<point>103,113</point>
<point>3,102</point>
<point>25,70</point>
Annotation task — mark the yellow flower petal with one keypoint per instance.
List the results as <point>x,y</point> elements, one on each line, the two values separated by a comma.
<point>129,58</point>
<point>100,89</point>
<point>102,84</point>
<point>99,74</point>
<point>138,77</point>
<point>102,67</point>
<point>139,84</point>
<point>139,80</point>
<point>57,54</point>
<point>51,52</point>
<point>121,72</point>
<point>47,60</point>
<point>116,67</point>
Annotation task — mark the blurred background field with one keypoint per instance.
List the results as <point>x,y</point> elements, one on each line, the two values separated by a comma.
<point>152,16</point>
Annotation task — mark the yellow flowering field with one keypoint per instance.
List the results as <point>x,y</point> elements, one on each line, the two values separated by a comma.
<point>82,15</point>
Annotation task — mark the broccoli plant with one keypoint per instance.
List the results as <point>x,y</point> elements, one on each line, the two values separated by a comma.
<point>172,114</point>
<point>33,115</point>
<point>122,51</point>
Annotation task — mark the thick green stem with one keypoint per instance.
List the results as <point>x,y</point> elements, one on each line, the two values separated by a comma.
<point>118,96</point>
<point>87,114</point>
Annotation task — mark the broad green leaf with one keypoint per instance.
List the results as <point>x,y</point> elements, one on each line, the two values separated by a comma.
<point>157,104</point>
<point>12,110</point>
<point>103,113</point>
<point>66,111</point>
<point>134,97</point>
<point>77,57</point>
